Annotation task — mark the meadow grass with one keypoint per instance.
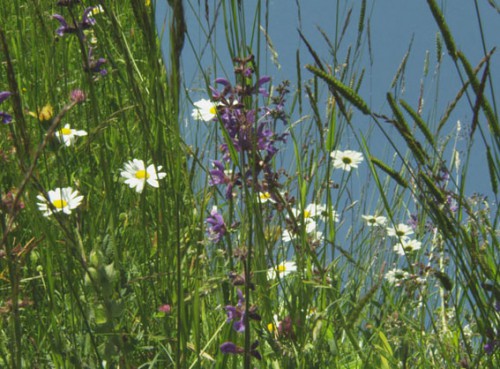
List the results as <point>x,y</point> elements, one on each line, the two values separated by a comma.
<point>267,233</point>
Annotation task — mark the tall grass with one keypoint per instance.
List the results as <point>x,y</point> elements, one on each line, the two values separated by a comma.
<point>252,251</point>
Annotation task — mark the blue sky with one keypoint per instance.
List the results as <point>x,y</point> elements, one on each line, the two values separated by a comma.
<point>393,25</point>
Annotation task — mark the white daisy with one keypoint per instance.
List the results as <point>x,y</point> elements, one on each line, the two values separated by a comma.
<point>204,110</point>
<point>265,197</point>
<point>137,175</point>
<point>282,269</point>
<point>374,220</point>
<point>313,211</point>
<point>346,159</point>
<point>406,246</point>
<point>310,225</point>
<point>396,276</point>
<point>60,199</point>
<point>68,136</point>
<point>287,236</point>
<point>401,231</point>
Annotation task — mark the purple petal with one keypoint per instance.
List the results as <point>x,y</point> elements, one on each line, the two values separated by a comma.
<point>231,348</point>
<point>4,95</point>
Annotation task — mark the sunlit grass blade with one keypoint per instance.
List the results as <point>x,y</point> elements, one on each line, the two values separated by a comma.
<point>346,92</point>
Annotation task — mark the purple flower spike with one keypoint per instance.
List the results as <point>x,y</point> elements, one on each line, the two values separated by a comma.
<point>4,95</point>
<point>231,348</point>
<point>4,117</point>
<point>96,66</point>
<point>63,28</point>
<point>217,228</point>
<point>87,21</point>
<point>223,81</point>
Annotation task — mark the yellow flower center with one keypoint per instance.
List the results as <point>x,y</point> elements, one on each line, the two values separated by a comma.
<point>141,174</point>
<point>346,160</point>
<point>213,110</point>
<point>400,233</point>
<point>65,131</point>
<point>59,204</point>
<point>281,268</point>
<point>307,214</point>
<point>265,195</point>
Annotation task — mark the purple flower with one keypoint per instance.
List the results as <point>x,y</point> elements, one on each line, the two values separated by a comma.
<point>64,28</point>
<point>236,314</point>
<point>490,347</point>
<point>77,96</point>
<point>4,117</point>
<point>95,66</point>
<point>218,176</point>
<point>231,348</point>
<point>87,21</point>
<point>217,228</point>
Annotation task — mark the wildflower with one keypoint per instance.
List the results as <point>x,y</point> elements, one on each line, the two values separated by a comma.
<point>219,175</point>
<point>68,136</point>
<point>148,2</point>
<point>77,96</point>
<point>291,234</point>
<point>166,308</point>
<point>265,197</point>
<point>346,159</point>
<point>217,228</point>
<point>95,66</point>
<point>320,211</point>
<point>64,28</point>
<point>60,199</point>
<point>282,270</point>
<point>87,21</point>
<point>491,347</point>
<point>235,314</point>
<point>231,348</point>
<point>401,231</point>
<point>204,110</point>
<point>374,220</point>
<point>396,276</point>
<point>285,328</point>
<point>407,246</point>
<point>272,327</point>
<point>4,117</point>
<point>43,114</point>
<point>98,9</point>
<point>137,175</point>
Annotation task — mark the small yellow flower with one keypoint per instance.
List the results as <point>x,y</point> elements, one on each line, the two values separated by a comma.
<point>148,2</point>
<point>44,113</point>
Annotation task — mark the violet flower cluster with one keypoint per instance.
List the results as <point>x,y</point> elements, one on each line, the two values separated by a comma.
<point>76,27</point>
<point>236,314</point>
<point>5,117</point>
<point>249,131</point>
<point>217,227</point>
<point>93,65</point>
